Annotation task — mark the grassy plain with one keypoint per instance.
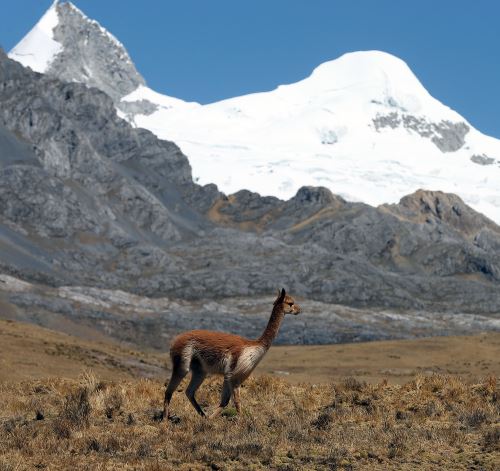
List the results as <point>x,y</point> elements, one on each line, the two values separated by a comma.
<point>407,405</point>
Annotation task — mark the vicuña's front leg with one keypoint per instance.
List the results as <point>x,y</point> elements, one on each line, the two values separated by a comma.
<point>227,390</point>
<point>236,399</point>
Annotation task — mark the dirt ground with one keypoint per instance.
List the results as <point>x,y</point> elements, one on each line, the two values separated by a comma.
<point>30,352</point>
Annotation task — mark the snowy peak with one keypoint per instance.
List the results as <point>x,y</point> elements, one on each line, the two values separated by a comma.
<point>371,83</point>
<point>67,44</point>
<point>361,125</point>
<point>372,76</point>
<point>375,69</point>
<point>38,48</point>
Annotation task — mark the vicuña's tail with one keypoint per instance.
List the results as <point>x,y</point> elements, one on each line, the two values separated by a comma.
<point>181,354</point>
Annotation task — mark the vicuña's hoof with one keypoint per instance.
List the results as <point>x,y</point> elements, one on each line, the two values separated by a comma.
<point>158,416</point>
<point>175,419</point>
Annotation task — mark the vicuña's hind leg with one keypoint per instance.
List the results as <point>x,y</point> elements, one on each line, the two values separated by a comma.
<point>197,377</point>
<point>227,390</point>
<point>179,371</point>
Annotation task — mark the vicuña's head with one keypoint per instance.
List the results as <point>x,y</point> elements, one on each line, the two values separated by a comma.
<point>288,303</point>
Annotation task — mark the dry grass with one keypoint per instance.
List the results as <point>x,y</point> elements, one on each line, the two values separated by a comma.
<point>431,422</point>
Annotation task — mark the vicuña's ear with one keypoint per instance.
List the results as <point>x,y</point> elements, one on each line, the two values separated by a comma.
<point>281,296</point>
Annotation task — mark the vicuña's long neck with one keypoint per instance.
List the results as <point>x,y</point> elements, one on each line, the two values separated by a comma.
<point>273,326</point>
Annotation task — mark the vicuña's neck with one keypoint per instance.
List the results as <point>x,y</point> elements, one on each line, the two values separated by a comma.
<point>273,326</point>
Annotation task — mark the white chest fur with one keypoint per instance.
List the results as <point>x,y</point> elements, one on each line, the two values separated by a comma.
<point>248,360</point>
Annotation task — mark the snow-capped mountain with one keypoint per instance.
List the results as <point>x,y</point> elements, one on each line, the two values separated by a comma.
<point>67,44</point>
<point>361,125</point>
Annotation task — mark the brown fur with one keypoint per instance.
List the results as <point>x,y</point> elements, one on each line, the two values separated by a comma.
<point>206,352</point>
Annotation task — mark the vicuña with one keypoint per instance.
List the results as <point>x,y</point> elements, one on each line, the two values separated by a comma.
<point>206,352</point>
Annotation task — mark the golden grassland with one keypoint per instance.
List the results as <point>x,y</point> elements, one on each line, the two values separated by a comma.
<point>431,422</point>
<point>426,404</point>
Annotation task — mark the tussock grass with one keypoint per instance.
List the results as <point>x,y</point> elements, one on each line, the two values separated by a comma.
<point>430,422</point>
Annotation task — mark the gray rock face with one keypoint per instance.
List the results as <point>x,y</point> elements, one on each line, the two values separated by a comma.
<point>447,136</point>
<point>46,206</point>
<point>391,120</point>
<point>151,323</point>
<point>408,254</point>
<point>90,55</point>
<point>93,181</point>
<point>87,200</point>
<point>14,151</point>
<point>139,107</point>
<point>482,159</point>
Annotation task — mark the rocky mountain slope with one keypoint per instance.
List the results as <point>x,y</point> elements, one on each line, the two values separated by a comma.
<point>362,125</point>
<point>86,199</point>
<point>149,323</point>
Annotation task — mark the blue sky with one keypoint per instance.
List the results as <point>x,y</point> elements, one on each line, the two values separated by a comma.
<point>209,50</point>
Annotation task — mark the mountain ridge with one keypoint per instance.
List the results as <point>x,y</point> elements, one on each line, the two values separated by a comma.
<point>107,205</point>
<point>361,125</point>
